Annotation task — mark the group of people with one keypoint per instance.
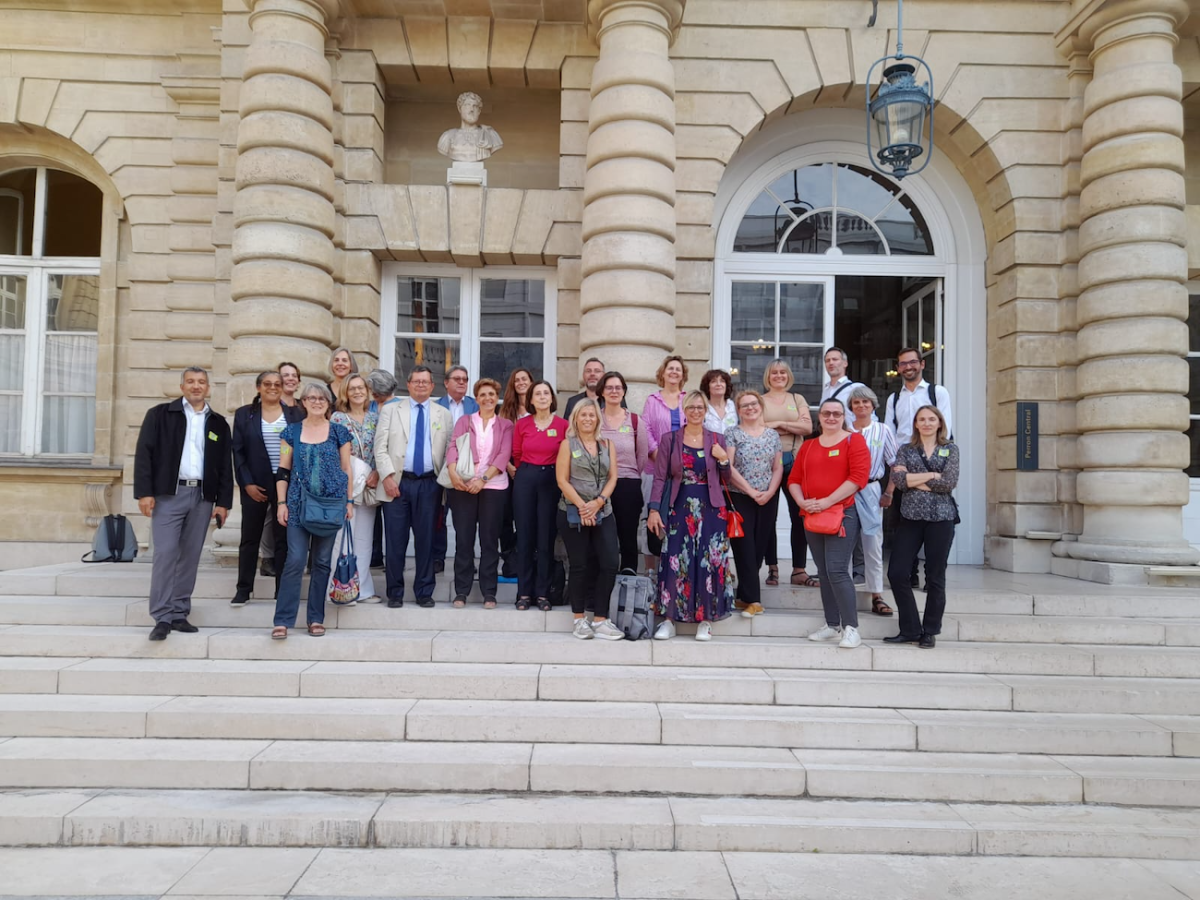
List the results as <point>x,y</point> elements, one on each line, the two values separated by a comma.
<point>509,472</point>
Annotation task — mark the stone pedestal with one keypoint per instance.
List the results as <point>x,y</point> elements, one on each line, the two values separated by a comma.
<point>627,295</point>
<point>282,285</point>
<point>467,173</point>
<point>1132,311</point>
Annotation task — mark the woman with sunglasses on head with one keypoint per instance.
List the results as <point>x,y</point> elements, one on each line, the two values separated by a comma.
<point>755,473</point>
<point>687,506</point>
<point>788,414</point>
<point>629,438</point>
<point>662,414</point>
<point>828,472</point>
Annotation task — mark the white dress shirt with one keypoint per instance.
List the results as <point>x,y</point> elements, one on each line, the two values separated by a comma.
<point>457,408</point>
<point>900,419</point>
<point>843,386</point>
<point>410,448</point>
<point>191,461</point>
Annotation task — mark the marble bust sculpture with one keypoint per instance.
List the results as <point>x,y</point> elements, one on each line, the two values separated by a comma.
<point>470,142</point>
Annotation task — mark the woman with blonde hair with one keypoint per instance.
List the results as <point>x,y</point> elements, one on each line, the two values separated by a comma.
<point>360,421</point>
<point>787,413</point>
<point>662,414</point>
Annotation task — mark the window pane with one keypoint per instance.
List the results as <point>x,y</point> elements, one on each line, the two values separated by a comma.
<point>762,226</point>
<point>10,422</point>
<point>438,354</point>
<point>905,229</point>
<point>73,303</point>
<point>749,364</point>
<point>1194,384</point>
<point>858,237</point>
<point>512,308</point>
<point>806,189</point>
<point>498,358</point>
<point>12,362</point>
<point>811,235</point>
<point>864,191</point>
<point>12,302</point>
<point>753,311</point>
<point>68,424</point>
<point>17,191</point>
<point>802,313</point>
<point>70,366</point>
<point>427,305</point>
<point>929,337</point>
<point>74,212</point>
<point>1194,323</point>
<point>1193,434</point>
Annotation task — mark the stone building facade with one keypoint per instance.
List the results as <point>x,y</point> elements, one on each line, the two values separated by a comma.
<point>232,183</point>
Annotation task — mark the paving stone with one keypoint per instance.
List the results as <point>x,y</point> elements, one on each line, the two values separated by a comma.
<point>779,653</point>
<point>94,871</point>
<point>459,873</point>
<point>245,871</point>
<point>1185,732</point>
<point>442,617</point>
<point>1183,876</point>
<point>1020,732</point>
<point>338,644</point>
<point>536,647</point>
<point>1059,630</point>
<point>906,690</point>
<point>216,613</point>
<point>223,818</point>
<point>824,826</point>
<point>390,766</point>
<point>32,674</point>
<point>655,684</point>
<point>1152,662</point>
<point>208,677</point>
<point>533,721</point>
<point>673,876</point>
<point>988,659</point>
<point>1132,781</point>
<point>614,768</point>
<point>1157,696</point>
<point>63,610</point>
<point>73,715</point>
<point>1176,604</point>
<point>36,817</point>
<point>425,681</point>
<point>99,640</point>
<point>1183,634</point>
<point>785,726</point>
<point>523,821</point>
<point>280,718</point>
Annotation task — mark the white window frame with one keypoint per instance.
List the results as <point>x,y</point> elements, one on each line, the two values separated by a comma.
<point>37,271</point>
<point>469,335</point>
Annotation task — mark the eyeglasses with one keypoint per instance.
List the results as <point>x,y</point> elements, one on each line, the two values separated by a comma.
<point>271,384</point>
<point>457,378</point>
<point>613,387</point>
<point>316,400</point>
<point>830,415</point>
<point>753,404</point>
<point>908,365</point>
<point>427,384</point>
<point>694,409</point>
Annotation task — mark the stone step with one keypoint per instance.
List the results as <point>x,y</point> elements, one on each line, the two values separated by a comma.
<point>1142,696</point>
<point>958,731</point>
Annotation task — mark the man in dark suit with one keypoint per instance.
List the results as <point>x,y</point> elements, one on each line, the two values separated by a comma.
<point>459,404</point>
<point>182,478</point>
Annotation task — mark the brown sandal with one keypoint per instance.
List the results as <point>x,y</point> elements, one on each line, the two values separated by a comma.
<point>279,633</point>
<point>316,629</point>
<point>879,607</point>
<point>772,576</point>
<point>802,578</point>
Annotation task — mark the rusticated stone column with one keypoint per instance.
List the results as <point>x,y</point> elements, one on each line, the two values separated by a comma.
<point>282,285</point>
<point>1132,379</point>
<point>627,297</point>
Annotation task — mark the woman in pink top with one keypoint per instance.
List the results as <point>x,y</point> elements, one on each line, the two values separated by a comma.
<point>662,414</point>
<point>631,443</point>
<point>478,504</point>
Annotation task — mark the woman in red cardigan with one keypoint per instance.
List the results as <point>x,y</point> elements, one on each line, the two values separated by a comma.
<point>829,471</point>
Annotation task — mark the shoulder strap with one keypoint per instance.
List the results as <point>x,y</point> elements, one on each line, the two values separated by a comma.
<point>116,536</point>
<point>895,407</point>
<point>933,395</point>
<point>834,395</point>
<point>635,424</point>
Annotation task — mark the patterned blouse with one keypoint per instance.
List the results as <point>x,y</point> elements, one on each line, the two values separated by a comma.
<point>936,504</point>
<point>316,466</point>
<point>362,435</point>
<point>754,457</point>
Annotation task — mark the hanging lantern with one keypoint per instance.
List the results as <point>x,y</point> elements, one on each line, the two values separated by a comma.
<point>901,113</point>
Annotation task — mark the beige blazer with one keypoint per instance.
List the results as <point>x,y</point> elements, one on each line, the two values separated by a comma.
<point>391,439</point>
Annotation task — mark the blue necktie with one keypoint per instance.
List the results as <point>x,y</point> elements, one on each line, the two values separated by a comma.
<point>419,448</point>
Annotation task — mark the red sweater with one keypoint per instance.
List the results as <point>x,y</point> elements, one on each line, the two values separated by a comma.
<point>822,470</point>
<point>538,448</point>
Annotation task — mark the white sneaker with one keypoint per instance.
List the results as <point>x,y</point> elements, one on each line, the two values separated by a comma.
<point>582,630</point>
<point>665,631</point>
<point>704,631</point>
<point>850,638</point>
<point>827,633</point>
<point>374,598</point>
<point>607,631</point>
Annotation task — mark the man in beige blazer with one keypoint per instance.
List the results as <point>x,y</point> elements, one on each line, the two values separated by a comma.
<point>410,448</point>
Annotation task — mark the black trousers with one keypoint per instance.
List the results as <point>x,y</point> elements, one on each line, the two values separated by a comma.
<point>535,502</point>
<point>592,561</point>
<point>415,510</point>
<point>508,535</point>
<point>627,511</point>
<point>748,552</point>
<point>799,540</point>
<point>906,544</point>
<point>254,515</point>
<point>482,512</point>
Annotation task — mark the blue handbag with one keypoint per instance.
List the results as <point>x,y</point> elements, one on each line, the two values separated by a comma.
<point>319,516</point>
<point>344,590</point>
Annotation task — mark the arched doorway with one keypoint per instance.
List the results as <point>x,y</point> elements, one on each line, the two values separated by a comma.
<point>814,249</point>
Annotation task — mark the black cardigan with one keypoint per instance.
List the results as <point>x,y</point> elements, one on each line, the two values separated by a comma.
<point>160,446</point>
<point>251,464</point>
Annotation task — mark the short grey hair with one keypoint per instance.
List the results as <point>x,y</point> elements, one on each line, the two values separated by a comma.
<point>862,392</point>
<point>382,382</point>
<point>450,371</point>
<point>194,370</point>
<point>315,387</point>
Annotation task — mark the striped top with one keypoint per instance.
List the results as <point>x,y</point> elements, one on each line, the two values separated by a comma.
<point>270,435</point>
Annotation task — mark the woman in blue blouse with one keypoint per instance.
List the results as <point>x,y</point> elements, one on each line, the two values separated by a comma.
<point>313,454</point>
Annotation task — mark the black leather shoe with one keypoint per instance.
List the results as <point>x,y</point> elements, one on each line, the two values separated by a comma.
<point>439,566</point>
<point>160,631</point>
<point>425,602</point>
<point>184,625</point>
<point>267,569</point>
<point>239,600</point>
<point>915,581</point>
<point>395,604</point>
<point>900,639</point>
<point>927,642</point>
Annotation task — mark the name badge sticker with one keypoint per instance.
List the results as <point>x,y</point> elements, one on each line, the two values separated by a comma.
<point>791,407</point>
<point>699,454</point>
<point>575,454</point>
<point>835,452</point>
<point>212,436</point>
<point>624,429</point>
<point>945,451</point>
<point>552,432</point>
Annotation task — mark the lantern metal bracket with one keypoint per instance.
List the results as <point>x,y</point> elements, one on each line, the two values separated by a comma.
<point>874,13</point>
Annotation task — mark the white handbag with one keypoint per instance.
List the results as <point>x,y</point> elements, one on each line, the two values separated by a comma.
<point>465,466</point>
<point>359,473</point>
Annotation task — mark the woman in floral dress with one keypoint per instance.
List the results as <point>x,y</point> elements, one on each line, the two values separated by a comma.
<point>695,581</point>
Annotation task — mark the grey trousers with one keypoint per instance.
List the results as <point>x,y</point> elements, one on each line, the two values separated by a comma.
<point>178,527</point>
<point>832,556</point>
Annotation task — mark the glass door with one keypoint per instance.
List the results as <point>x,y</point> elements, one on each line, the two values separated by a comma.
<point>921,325</point>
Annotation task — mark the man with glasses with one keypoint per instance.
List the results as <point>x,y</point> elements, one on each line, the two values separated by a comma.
<point>593,371</point>
<point>410,449</point>
<point>460,404</point>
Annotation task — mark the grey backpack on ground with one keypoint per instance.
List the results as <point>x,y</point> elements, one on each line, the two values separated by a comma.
<point>629,606</point>
<point>114,541</point>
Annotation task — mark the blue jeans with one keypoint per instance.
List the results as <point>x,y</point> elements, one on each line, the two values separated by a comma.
<point>298,543</point>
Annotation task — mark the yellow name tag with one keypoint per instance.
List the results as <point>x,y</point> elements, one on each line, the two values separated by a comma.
<point>792,408</point>
<point>212,436</point>
<point>945,451</point>
<point>624,429</point>
<point>576,454</point>
<point>552,432</point>
<point>835,452</point>
<point>700,454</point>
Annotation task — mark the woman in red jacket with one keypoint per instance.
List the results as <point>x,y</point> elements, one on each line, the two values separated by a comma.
<point>828,472</point>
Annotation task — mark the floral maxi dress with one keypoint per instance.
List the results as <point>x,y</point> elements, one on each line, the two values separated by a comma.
<point>695,582</point>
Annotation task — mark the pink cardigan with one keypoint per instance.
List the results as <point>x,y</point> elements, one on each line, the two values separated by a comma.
<point>670,465</point>
<point>656,419</point>
<point>501,444</point>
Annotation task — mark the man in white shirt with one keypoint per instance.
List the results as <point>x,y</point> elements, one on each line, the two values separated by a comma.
<point>839,385</point>
<point>459,404</point>
<point>914,393</point>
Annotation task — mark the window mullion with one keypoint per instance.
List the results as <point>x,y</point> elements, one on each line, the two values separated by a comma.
<point>35,350</point>
<point>39,214</point>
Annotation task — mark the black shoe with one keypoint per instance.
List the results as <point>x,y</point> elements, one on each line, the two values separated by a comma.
<point>915,581</point>
<point>160,631</point>
<point>927,642</point>
<point>439,566</point>
<point>184,625</point>
<point>267,569</point>
<point>425,602</point>
<point>395,604</point>
<point>239,600</point>
<point>900,639</point>
<point>925,587</point>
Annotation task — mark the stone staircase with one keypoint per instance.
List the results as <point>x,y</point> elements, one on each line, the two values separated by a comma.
<point>1053,719</point>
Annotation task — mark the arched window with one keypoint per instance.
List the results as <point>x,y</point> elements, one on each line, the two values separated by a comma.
<point>50,223</point>
<point>835,209</point>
